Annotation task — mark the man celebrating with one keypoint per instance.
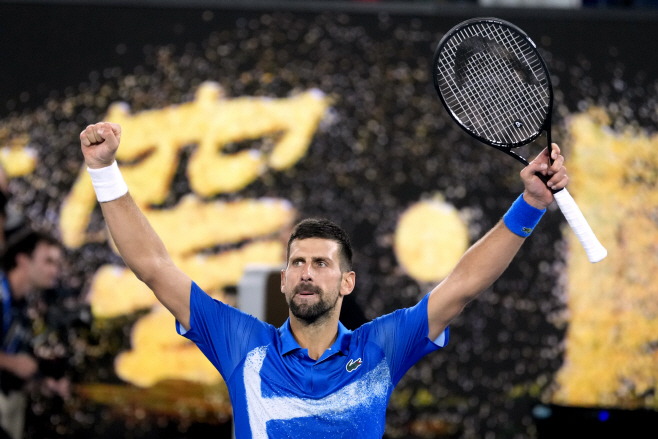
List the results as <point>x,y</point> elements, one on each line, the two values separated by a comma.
<point>30,264</point>
<point>311,376</point>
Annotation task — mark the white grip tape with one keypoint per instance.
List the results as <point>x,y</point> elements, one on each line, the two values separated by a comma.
<point>595,251</point>
<point>108,182</point>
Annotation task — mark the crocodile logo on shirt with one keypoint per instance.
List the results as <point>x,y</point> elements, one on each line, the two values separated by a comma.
<point>353,365</point>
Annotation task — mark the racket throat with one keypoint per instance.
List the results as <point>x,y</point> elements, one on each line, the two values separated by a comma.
<point>541,176</point>
<point>547,128</point>
<point>513,154</point>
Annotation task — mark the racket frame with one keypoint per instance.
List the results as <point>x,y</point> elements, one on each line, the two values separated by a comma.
<point>504,147</point>
<point>595,251</point>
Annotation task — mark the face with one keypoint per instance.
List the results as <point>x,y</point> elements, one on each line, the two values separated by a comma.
<point>312,282</point>
<point>44,266</point>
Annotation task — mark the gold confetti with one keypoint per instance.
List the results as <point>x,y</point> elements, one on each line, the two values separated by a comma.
<point>430,239</point>
<point>611,353</point>
<point>17,159</point>
<point>151,142</point>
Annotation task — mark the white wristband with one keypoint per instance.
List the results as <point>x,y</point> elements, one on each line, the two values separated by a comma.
<point>108,182</point>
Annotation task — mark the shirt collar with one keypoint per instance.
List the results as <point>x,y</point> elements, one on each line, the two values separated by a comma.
<point>289,344</point>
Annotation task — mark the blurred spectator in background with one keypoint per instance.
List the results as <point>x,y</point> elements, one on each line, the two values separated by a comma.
<point>4,199</point>
<point>30,264</point>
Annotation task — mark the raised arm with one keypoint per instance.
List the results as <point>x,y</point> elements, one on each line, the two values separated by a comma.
<point>139,245</point>
<point>488,258</point>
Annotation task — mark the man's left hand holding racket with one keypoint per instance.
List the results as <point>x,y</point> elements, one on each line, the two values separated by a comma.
<point>488,258</point>
<point>537,193</point>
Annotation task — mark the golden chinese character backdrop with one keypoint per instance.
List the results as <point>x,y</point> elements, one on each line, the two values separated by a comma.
<point>237,123</point>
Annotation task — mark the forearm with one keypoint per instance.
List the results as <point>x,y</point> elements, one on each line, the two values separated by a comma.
<point>22,365</point>
<point>480,266</point>
<point>6,362</point>
<point>485,261</point>
<point>138,244</point>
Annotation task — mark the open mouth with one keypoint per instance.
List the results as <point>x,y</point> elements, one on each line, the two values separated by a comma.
<point>306,293</point>
<point>306,290</point>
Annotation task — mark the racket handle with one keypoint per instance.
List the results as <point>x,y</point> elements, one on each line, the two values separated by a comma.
<point>595,251</point>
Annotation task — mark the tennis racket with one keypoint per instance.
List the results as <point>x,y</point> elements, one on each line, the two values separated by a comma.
<point>495,85</point>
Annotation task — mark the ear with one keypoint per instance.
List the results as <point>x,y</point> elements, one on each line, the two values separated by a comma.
<point>283,280</point>
<point>348,282</point>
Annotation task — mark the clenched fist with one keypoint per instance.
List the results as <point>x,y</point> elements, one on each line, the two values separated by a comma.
<point>99,144</point>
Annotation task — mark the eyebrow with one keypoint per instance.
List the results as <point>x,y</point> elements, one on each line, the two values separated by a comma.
<point>313,258</point>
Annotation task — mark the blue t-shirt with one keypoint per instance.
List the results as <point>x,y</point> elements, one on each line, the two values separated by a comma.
<point>278,391</point>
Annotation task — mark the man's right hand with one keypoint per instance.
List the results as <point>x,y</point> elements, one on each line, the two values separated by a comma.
<point>99,144</point>
<point>23,366</point>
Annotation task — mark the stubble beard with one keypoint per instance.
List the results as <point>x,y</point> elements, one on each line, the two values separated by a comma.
<point>315,312</point>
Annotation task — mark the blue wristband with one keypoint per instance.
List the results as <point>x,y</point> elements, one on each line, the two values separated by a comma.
<point>522,218</point>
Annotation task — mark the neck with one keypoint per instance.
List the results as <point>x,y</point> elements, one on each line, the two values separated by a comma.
<point>318,336</point>
<point>18,284</point>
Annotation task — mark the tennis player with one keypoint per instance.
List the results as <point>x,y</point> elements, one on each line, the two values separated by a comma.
<point>311,377</point>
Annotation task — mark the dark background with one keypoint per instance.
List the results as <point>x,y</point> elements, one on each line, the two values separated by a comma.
<point>372,63</point>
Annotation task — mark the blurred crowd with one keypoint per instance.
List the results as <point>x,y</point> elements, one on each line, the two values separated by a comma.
<point>37,317</point>
<point>627,4</point>
<point>385,143</point>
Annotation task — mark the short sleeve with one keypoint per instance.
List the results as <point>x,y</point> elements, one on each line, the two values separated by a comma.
<point>224,334</point>
<point>403,337</point>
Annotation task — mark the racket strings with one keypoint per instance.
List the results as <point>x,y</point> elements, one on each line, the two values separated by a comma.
<point>497,84</point>
<point>533,62</point>
<point>480,99</point>
<point>460,101</point>
<point>539,95</point>
<point>464,104</point>
<point>491,84</point>
<point>494,91</point>
<point>502,98</point>
<point>474,101</point>
<point>505,75</point>
<point>498,101</point>
<point>504,69</point>
<point>485,108</point>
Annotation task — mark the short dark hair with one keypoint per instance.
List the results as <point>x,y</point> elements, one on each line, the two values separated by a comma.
<point>325,229</point>
<point>24,243</point>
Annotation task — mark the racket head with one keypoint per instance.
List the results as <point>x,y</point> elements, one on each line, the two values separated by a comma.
<point>493,82</point>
